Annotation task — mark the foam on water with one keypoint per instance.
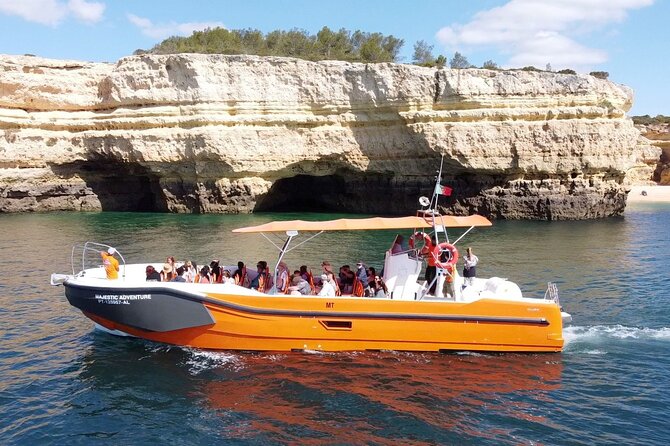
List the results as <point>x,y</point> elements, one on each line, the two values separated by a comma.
<point>600,333</point>
<point>199,361</point>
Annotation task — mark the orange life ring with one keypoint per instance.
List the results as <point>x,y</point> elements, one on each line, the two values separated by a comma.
<point>440,249</point>
<point>418,235</point>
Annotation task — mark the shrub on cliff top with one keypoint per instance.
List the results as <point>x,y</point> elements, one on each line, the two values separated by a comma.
<point>600,74</point>
<point>459,61</point>
<point>423,54</point>
<point>357,46</point>
<point>647,120</point>
<point>567,71</point>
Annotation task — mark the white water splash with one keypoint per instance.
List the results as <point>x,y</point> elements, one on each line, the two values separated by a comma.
<point>599,333</point>
<point>202,360</point>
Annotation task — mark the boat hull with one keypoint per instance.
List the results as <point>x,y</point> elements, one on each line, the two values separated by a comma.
<point>230,321</point>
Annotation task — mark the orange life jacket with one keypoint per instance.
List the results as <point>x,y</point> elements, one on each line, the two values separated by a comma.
<point>310,279</point>
<point>285,287</point>
<point>358,289</point>
<point>239,280</point>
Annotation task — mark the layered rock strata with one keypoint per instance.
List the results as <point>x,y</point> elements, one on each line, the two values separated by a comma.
<point>659,136</point>
<point>213,133</point>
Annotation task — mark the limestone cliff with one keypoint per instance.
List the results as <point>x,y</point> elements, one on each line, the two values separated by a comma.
<point>659,136</point>
<point>213,133</point>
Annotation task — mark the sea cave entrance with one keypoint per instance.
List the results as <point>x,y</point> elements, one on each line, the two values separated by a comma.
<point>341,192</point>
<point>124,187</point>
<point>306,193</point>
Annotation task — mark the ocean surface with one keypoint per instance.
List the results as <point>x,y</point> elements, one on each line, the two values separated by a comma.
<point>62,382</point>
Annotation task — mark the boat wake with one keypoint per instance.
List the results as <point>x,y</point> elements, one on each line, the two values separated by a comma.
<point>578,338</point>
<point>199,361</point>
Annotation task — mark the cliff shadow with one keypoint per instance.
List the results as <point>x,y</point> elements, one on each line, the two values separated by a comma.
<point>119,186</point>
<point>342,191</point>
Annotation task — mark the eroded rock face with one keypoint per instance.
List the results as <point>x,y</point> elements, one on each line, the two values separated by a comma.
<point>659,136</point>
<point>213,133</point>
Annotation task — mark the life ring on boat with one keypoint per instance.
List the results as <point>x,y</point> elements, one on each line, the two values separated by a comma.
<point>440,249</point>
<point>419,235</point>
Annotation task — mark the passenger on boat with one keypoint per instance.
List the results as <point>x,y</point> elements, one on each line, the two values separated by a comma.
<point>346,279</point>
<point>167,274</point>
<point>431,269</point>
<point>378,288</point>
<point>327,288</point>
<point>240,275</point>
<point>469,268</point>
<point>180,275</point>
<point>225,277</point>
<point>449,281</point>
<point>203,277</point>
<point>152,274</point>
<point>372,273</point>
<point>299,286</point>
<point>171,261</point>
<point>327,268</point>
<point>282,278</point>
<point>110,263</point>
<point>398,246</point>
<point>362,274</point>
<point>191,271</point>
<point>262,282</point>
<point>215,271</point>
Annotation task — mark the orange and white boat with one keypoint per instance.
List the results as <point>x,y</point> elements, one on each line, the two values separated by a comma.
<point>488,315</point>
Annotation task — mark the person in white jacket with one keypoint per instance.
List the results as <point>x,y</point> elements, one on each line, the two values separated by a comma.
<point>469,267</point>
<point>327,288</point>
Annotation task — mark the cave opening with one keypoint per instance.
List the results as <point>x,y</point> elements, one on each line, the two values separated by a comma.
<point>369,193</point>
<point>306,193</point>
<point>123,187</point>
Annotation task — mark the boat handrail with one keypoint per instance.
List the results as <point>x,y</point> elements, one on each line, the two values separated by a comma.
<point>552,293</point>
<point>92,247</point>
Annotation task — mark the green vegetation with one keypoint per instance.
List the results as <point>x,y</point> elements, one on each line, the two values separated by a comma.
<point>423,55</point>
<point>459,61</point>
<point>490,65</point>
<point>646,119</point>
<point>600,74</point>
<point>354,46</point>
<point>567,71</point>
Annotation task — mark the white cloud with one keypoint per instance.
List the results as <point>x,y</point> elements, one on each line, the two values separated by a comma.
<point>89,12</point>
<point>53,12</point>
<point>535,32</point>
<point>163,30</point>
<point>46,12</point>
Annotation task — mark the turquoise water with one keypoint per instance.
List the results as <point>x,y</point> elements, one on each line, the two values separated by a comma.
<point>64,383</point>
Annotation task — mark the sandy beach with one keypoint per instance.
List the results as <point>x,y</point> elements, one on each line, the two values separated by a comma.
<point>654,194</point>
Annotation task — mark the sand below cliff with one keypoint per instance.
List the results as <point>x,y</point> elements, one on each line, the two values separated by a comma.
<point>654,194</point>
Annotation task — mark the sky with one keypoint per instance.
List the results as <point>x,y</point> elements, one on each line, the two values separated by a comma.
<point>622,37</point>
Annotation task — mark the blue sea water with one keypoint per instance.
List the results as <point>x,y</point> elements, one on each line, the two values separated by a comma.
<point>61,382</point>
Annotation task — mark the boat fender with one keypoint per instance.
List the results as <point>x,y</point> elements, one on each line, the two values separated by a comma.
<point>419,235</point>
<point>438,252</point>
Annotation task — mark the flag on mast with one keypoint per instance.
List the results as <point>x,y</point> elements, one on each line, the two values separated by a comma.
<point>443,190</point>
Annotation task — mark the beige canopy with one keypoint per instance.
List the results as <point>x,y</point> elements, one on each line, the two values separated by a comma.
<point>362,224</point>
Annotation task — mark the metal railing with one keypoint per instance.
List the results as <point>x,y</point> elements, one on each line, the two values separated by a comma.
<point>551,293</point>
<point>86,262</point>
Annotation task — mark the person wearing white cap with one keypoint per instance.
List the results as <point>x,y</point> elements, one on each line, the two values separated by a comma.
<point>327,288</point>
<point>110,263</point>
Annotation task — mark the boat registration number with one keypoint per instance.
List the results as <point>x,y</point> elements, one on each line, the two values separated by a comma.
<point>120,299</point>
